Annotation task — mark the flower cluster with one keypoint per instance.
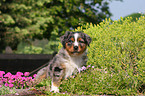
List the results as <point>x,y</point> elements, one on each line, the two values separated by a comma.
<point>82,69</point>
<point>19,80</point>
<point>85,68</point>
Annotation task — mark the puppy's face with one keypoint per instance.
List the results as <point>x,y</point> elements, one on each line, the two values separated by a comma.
<point>75,43</point>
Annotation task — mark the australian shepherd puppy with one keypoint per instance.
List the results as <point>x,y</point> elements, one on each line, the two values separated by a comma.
<point>68,61</point>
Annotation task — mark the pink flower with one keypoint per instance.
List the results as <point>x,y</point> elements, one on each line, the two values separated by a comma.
<point>5,79</point>
<point>26,79</point>
<point>1,73</point>
<point>8,75</point>
<point>30,78</point>
<point>21,83</point>
<point>11,85</point>
<point>6,84</point>
<point>34,75</point>
<point>1,81</point>
<point>20,79</point>
<point>92,66</point>
<point>16,93</point>
<point>13,77</point>
<point>88,66</point>
<point>11,81</point>
<point>19,73</point>
<point>0,86</point>
<point>23,78</point>
<point>26,74</point>
<point>83,68</point>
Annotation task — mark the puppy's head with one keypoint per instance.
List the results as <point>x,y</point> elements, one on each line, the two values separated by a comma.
<point>75,43</point>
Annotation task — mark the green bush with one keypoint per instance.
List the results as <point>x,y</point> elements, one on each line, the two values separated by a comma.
<point>135,16</point>
<point>117,52</point>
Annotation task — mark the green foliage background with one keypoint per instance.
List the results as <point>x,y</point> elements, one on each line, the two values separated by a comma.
<point>38,47</point>
<point>23,20</point>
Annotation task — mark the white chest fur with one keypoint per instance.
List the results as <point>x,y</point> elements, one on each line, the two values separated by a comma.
<point>72,65</point>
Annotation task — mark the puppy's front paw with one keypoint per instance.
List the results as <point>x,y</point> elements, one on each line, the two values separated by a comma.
<point>54,89</point>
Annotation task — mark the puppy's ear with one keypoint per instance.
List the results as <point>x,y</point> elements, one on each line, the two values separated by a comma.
<point>87,39</point>
<point>65,37</point>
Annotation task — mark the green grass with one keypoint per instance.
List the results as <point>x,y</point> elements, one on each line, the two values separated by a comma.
<point>6,90</point>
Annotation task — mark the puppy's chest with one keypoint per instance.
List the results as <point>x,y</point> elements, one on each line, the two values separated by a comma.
<point>73,64</point>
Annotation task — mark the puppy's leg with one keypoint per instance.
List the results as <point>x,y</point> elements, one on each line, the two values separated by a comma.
<point>42,74</point>
<point>58,75</point>
<point>54,87</point>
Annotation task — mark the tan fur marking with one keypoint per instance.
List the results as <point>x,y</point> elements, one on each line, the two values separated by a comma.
<point>56,84</point>
<point>81,50</point>
<point>80,39</point>
<point>72,39</point>
<point>63,66</point>
<point>69,49</point>
<point>43,76</point>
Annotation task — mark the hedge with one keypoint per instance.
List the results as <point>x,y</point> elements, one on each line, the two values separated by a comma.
<point>117,53</point>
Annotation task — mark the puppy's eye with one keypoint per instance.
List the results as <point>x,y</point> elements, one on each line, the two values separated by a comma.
<point>81,41</point>
<point>70,42</point>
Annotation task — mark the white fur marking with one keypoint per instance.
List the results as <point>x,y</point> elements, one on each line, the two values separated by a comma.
<point>73,65</point>
<point>54,88</point>
<point>76,35</point>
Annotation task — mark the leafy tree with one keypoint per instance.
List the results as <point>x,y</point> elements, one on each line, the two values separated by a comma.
<point>29,19</point>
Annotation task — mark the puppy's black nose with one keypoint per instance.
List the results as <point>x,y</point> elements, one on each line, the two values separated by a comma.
<point>75,47</point>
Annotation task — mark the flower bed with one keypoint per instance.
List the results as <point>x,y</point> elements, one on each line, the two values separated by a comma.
<point>23,81</point>
<point>19,80</point>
